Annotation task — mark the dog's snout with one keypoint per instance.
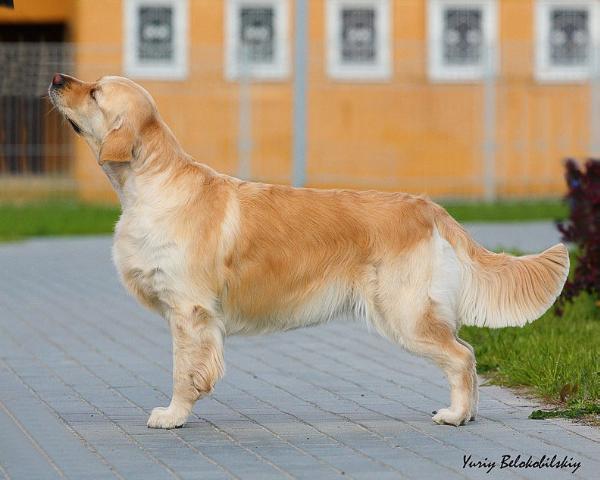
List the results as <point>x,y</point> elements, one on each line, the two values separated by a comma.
<point>58,80</point>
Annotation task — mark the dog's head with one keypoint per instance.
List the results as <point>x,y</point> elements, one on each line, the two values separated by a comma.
<point>110,114</point>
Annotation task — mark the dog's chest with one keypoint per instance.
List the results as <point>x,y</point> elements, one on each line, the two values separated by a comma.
<point>151,264</point>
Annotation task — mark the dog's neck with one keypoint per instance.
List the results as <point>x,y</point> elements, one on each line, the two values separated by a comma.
<point>157,158</point>
<point>117,174</point>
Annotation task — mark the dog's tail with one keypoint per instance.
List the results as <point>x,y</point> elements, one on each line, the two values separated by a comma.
<point>500,290</point>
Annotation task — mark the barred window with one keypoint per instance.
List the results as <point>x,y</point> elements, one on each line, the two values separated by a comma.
<point>257,34</point>
<point>256,38</point>
<point>155,33</point>
<point>358,35</point>
<point>569,37</point>
<point>358,39</point>
<point>462,39</point>
<point>566,31</point>
<point>156,38</point>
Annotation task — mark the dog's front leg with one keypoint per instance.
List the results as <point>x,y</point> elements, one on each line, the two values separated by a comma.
<point>197,365</point>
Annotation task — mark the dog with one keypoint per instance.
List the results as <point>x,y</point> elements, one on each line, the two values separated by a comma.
<point>218,256</point>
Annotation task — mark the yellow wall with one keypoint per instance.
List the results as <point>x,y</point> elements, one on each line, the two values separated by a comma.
<point>390,135</point>
<point>414,135</point>
<point>406,134</point>
<point>203,110</point>
<point>38,11</point>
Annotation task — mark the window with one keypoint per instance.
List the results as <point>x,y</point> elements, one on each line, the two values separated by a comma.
<point>462,39</point>
<point>566,32</point>
<point>256,38</point>
<point>156,38</point>
<point>358,39</point>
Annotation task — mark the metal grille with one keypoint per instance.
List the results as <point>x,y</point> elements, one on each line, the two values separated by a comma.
<point>155,33</point>
<point>32,140</point>
<point>462,36</point>
<point>569,37</point>
<point>358,35</point>
<point>257,34</point>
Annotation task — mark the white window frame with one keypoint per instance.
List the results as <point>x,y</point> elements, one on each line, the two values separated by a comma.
<point>177,69</point>
<point>336,69</point>
<point>441,72</point>
<point>544,70</point>
<point>280,68</point>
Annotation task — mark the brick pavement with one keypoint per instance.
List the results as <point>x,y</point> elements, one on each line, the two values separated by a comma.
<point>82,365</point>
<point>524,236</point>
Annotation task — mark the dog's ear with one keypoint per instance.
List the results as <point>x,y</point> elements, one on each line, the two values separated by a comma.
<point>118,144</point>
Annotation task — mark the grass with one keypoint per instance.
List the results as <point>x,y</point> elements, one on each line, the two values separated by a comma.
<point>72,217</point>
<point>54,218</point>
<point>557,358</point>
<point>573,412</point>
<point>507,211</point>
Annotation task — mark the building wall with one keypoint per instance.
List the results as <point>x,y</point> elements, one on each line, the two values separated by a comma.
<point>202,110</point>
<point>404,134</point>
<point>429,136</point>
<point>38,11</point>
<point>395,134</point>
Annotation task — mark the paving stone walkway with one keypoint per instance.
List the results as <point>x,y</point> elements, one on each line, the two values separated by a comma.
<point>82,365</point>
<point>527,237</point>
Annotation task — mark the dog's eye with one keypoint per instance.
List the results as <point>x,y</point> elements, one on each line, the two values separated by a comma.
<point>93,93</point>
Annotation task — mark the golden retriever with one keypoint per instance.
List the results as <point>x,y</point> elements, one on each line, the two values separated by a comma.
<point>217,256</point>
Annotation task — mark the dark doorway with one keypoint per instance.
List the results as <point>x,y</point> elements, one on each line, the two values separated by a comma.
<point>32,139</point>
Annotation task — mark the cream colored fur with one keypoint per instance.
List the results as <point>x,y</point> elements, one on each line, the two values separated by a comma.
<point>217,256</point>
<point>499,290</point>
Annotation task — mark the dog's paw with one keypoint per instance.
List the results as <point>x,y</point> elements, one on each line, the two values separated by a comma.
<point>445,416</point>
<point>473,414</point>
<point>162,417</point>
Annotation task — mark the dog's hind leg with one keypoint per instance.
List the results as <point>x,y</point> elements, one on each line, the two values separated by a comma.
<point>432,337</point>
<point>197,365</point>
<point>435,338</point>
<point>475,385</point>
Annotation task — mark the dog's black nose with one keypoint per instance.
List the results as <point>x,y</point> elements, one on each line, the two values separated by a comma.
<point>58,80</point>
